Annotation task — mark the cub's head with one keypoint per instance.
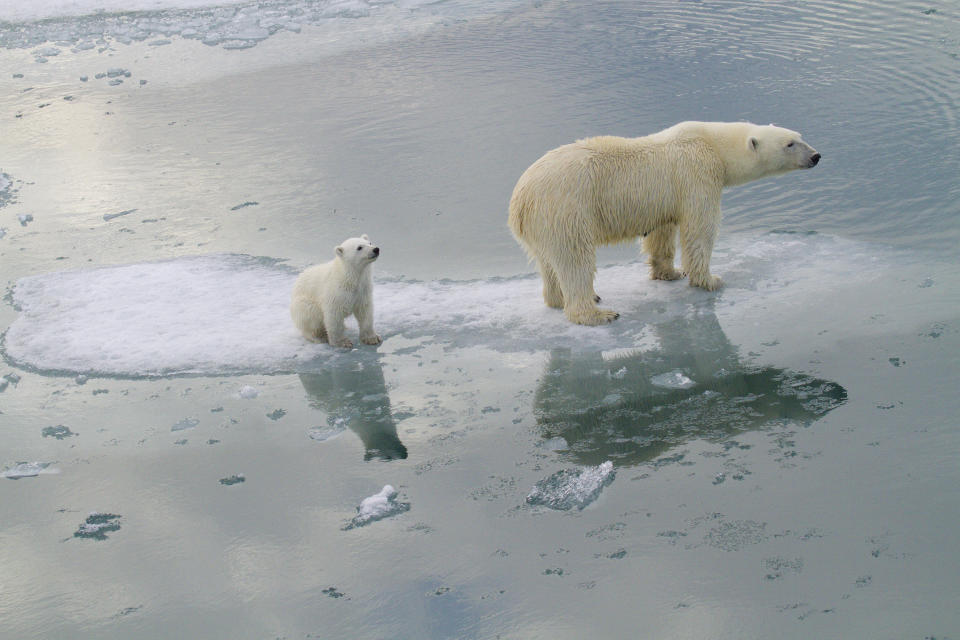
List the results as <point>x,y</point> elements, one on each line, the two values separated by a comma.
<point>778,150</point>
<point>358,251</point>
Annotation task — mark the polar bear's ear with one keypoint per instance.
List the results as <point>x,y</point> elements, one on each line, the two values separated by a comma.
<point>364,236</point>
<point>753,143</point>
<point>339,251</point>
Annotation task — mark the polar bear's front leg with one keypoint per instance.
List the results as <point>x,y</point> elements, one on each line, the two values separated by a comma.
<point>579,300</point>
<point>336,330</point>
<point>696,239</point>
<point>364,315</point>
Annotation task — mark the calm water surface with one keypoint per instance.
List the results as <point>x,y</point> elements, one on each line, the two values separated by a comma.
<point>784,451</point>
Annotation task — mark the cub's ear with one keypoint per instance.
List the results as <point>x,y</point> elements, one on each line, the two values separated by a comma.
<point>364,236</point>
<point>339,251</point>
<point>753,143</point>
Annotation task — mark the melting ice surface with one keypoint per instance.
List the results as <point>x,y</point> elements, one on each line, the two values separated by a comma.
<point>377,507</point>
<point>572,488</point>
<point>228,314</point>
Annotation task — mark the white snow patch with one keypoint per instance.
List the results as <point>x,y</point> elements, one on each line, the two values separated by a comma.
<point>28,470</point>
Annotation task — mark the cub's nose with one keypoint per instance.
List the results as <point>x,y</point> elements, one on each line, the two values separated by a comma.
<point>376,250</point>
<point>814,159</point>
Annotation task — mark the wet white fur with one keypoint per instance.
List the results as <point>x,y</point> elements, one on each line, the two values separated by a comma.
<point>325,294</point>
<point>609,189</point>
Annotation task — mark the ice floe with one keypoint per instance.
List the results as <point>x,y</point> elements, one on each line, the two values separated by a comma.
<point>572,488</point>
<point>377,507</point>
<point>226,314</point>
<point>27,470</point>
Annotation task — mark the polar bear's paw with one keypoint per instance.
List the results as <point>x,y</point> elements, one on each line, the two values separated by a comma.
<point>665,273</point>
<point>593,317</point>
<point>343,343</point>
<point>709,283</point>
<point>373,338</point>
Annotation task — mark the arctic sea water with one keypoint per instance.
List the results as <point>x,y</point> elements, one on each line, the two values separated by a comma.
<point>777,459</point>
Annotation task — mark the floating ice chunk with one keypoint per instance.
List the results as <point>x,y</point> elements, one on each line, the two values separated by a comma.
<point>569,488</point>
<point>28,470</point>
<point>322,434</point>
<point>186,423</point>
<point>247,392</point>
<point>377,507</point>
<point>24,218</point>
<point>234,479</point>
<point>98,525</point>
<point>675,379</point>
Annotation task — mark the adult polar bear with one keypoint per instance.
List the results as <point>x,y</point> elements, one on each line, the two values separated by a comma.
<point>608,189</point>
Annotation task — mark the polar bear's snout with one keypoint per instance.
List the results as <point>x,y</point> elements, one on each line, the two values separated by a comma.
<point>376,250</point>
<point>814,159</point>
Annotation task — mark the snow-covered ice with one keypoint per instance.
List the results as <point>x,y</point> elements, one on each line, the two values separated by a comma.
<point>572,488</point>
<point>225,314</point>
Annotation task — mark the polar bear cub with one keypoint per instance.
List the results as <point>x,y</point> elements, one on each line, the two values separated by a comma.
<point>325,294</point>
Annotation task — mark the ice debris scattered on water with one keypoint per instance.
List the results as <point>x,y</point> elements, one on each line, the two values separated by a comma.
<point>377,507</point>
<point>673,380</point>
<point>98,525</point>
<point>572,488</point>
<point>28,470</point>
<point>234,479</point>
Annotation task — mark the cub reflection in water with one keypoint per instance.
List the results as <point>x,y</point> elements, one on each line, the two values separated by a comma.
<point>631,406</point>
<point>353,394</point>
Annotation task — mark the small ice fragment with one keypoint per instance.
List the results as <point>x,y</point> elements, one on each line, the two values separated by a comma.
<point>84,78</point>
<point>247,392</point>
<point>24,218</point>
<point>377,507</point>
<point>97,525</point>
<point>234,479</point>
<point>569,488</point>
<point>27,470</point>
<point>59,432</point>
<point>322,434</point>
<point>276,414</point>
<point>673,380</point>
<point>186,423</point>
<point>81,379</point>
<point>619,374</point>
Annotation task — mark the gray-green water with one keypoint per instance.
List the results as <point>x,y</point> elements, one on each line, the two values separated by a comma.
<point>785,450</point>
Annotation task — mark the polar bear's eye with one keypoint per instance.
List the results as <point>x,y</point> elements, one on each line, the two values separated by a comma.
<point>359,248</point>
<point>789,145</point>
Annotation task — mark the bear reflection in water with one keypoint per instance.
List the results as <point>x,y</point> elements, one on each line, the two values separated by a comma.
<point>632,406</point>
<point>354,394</point>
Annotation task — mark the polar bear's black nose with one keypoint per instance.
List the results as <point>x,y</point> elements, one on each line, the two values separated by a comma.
<point>376,251</point>
<point>814,159</point>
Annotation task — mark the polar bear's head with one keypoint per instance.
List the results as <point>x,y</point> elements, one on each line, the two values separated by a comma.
<point>358,252</point>
<point>751,151</point>
<point>777,150</point>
